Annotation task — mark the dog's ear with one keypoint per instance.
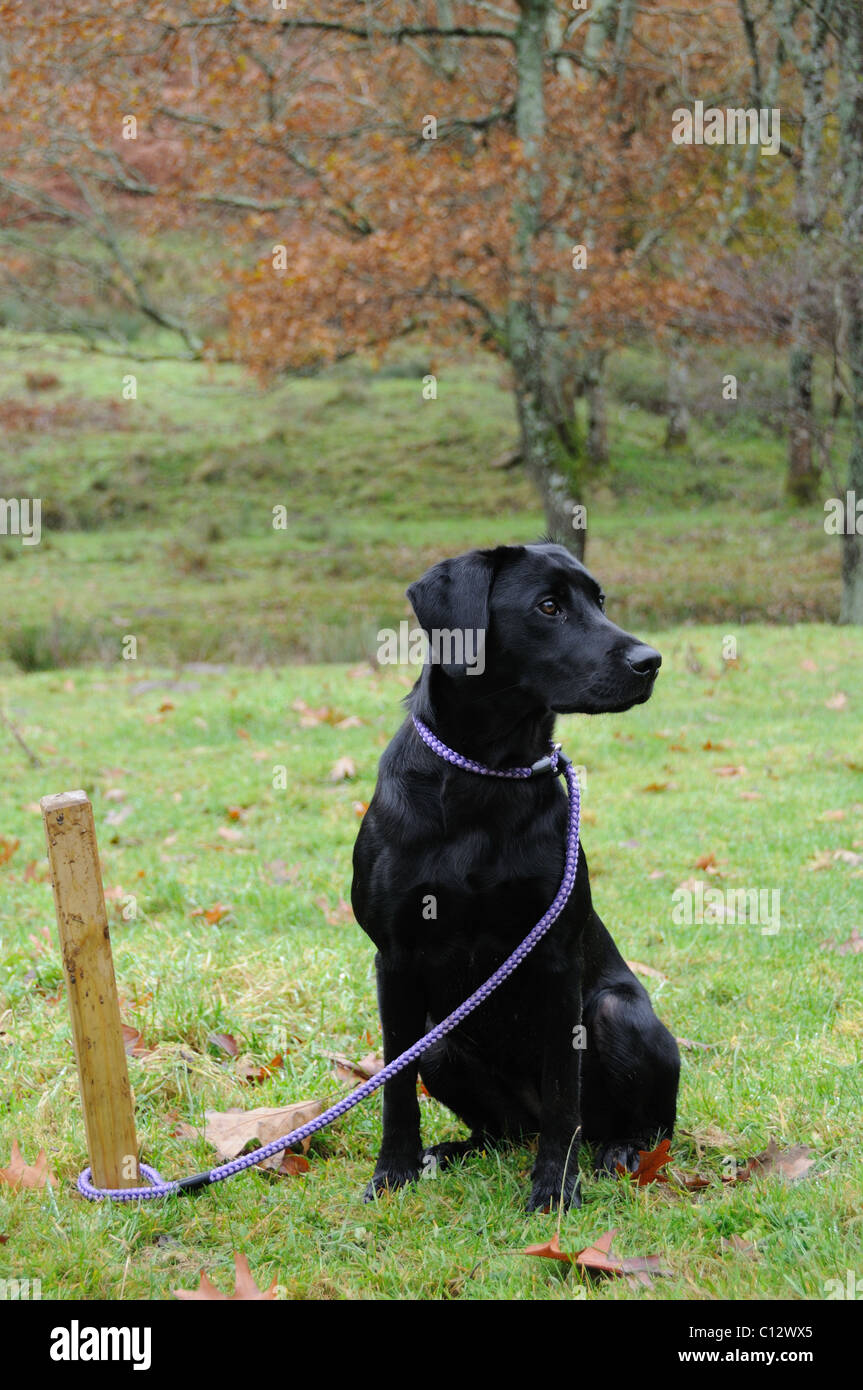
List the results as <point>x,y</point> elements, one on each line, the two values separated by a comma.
<point>453,598</point>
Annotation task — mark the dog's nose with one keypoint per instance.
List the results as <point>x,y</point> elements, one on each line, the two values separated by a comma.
<point>644,660</point>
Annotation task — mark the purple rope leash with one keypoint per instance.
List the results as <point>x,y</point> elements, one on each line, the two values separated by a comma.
<point>159,1188</point>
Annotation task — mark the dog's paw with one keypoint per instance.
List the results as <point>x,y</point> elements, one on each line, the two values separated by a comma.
<point>390,1176</point>
<point>617,1153</point>
<point>551,1190</point>
<point>440,1156</point>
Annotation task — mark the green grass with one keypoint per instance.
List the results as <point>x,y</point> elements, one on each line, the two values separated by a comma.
<point>781,1018</point>
<point>158,512</point>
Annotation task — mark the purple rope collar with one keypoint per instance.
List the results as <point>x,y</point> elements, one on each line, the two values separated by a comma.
<point>553,763</point>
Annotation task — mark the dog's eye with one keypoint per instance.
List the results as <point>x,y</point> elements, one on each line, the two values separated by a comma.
<point>550,607</point>
<point>601,602</point>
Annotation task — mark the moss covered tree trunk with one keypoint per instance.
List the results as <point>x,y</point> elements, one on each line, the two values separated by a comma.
<point>851,164</point>
<point>549,446</point>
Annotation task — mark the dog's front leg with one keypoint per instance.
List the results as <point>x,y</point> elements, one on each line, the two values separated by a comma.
<point>555,1172</point>
<point>402,1012</point>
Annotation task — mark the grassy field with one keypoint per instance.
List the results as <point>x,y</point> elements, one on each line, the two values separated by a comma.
<point>158,511</point>
<point>180,770</point>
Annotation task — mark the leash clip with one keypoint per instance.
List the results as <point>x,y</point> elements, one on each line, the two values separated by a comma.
<point>545,764</point>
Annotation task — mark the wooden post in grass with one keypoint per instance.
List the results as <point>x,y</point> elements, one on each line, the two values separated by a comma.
<point>109,1117</point>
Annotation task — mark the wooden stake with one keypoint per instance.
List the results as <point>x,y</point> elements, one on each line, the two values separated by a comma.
<point>109,1117</point>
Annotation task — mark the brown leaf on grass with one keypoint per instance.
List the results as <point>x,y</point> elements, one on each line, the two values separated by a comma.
<point>738,1246</point>
<point>689,1043</point>
<point>655,787</point>
<point>231,1130</point>
<point>832,815</point>
<point>750,796</point>
<point>133,1042</point>
<point>648,970</point>
<point>808,665</point>
<point>229,832</point>
<point>280,872</point>
<point>598,1259</point>
<point>245,1288</point>
<point>837,701</point>
<point>711,746</point>
<point>343,770</point>
<point>336,916</point>
<point>550,1250</point>
<point>793,1163</point>
<point>731,770</point>
<point>709,863</point>
<point>37,872</point>
<point>20,1174</point>
<point>213,914</point>
<point>323,714</point>
<point>649,1163</point>
<point>234,812</point>
<point>355,1072</point>
<point>8,846</point>
<point>227,1042</point>
<point>253,1072</point>
<point>292,1166</point>
<point>359,808</point>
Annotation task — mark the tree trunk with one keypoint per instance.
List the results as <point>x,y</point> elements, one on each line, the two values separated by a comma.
<point>803,472</point>
<point>851,165</point>
<point>548,442</point>
<point>676,408</point>
<point>594,394</point>
<point>801,481</point>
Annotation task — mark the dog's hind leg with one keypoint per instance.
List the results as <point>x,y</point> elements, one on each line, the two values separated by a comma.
<point>631,1072</point>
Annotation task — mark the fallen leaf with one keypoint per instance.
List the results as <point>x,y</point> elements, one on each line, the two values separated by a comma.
<point>808,665</point>
<point>598,1259</point>
<point>715,747</point>
<point>8,847</point>
<point>20,1174</point>
<point>133,1042</point>
<point>649,1163</point>
<point>343,769</point>
<point>837,701</point>
<point>852,946</point>
<point>706,861</point>
<point>689,1044</point>
<point>655,787</point>
<point>229,832</point>
<point>739,1246</point>
<point>213,914</point>
<point>336,916</point>
<point>234,812</point>
<point>793,1163</point>
<point>550,1250</point>
<point>226,1042</point>
<point>165,706</point>
<point>229,1131</point>
<point>292,1165</point>
<point>648,970</point>
<point>245,1288</point>
<point>346,1070</point>
<point>730,770</point>
<point>257,1072</point>
<point>832,815</point>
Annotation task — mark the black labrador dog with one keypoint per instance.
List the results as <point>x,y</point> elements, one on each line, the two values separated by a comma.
<point>452,869</point>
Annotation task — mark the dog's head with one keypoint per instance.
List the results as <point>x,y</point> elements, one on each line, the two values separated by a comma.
<point>531,618</point>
